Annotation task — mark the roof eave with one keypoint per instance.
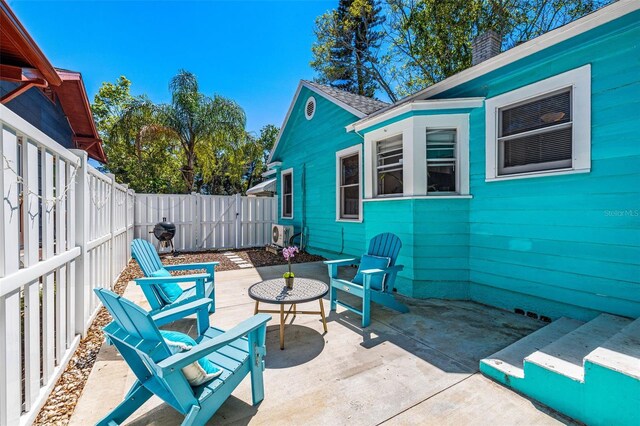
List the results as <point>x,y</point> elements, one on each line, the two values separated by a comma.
<point>13,29</point>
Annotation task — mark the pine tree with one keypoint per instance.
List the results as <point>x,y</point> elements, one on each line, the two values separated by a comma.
<point>345,50</point>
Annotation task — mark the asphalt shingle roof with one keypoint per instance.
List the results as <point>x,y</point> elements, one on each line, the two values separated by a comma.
<point>361,103</point>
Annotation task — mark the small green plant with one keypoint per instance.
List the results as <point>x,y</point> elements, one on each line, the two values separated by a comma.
<point>288,275</point>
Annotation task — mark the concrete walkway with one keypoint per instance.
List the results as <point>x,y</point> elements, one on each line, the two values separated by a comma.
<point>418,368</point>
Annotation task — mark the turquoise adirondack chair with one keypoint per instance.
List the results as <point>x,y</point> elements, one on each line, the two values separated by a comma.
<point>202,293</point>
<point>238,352</point>
<point>375,279</point>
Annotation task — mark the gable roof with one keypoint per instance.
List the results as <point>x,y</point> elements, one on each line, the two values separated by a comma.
<point>544,41</point>
<point>355,104</point>
<point>363,104</point>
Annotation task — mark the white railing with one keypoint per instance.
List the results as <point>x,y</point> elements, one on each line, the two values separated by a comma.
<point>65,229</point>
<point>205,222</point>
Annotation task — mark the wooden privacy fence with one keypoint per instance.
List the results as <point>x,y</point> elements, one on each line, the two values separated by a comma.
<point>205,222</point>
<point>65,228</point>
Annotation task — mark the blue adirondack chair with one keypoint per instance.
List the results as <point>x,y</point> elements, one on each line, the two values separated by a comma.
<point>202,293</point>
<point>237,352</point>
<point>368,287</point>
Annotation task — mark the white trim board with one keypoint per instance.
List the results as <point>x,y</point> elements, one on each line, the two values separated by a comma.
<point>426,105</point>
<point>593,20</point>
<point>328,97</point>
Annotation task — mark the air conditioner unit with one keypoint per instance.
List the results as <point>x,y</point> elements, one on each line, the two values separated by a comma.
<point>281,234</point>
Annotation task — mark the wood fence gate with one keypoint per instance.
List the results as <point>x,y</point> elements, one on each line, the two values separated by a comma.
<point>207,222</point>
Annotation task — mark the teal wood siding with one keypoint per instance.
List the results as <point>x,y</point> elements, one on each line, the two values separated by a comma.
<point>435,243</point>
<point>309,147</point>
<point>564,245</point>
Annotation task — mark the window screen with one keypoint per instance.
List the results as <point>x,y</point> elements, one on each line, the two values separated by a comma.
<point>389,166</point>
<point>441,160</point>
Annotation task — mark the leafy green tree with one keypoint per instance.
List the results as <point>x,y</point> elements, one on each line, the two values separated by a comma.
<point>421,42</point>
<point>145,164</point>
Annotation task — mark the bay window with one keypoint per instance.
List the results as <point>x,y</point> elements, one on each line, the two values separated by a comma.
<point>389,165</point>
<point>441,160</point>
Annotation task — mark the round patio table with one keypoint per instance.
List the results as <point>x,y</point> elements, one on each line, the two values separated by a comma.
<point>276,292</point>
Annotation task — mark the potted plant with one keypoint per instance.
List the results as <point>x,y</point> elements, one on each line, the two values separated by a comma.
<point>289,253</point>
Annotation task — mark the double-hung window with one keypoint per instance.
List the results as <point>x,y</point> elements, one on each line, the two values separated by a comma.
<point>348,191</point>
<point>536,135</point>
<point>442,161</point>
<point>389,166</point>
<point>286,185</point>
<point>541,129</point>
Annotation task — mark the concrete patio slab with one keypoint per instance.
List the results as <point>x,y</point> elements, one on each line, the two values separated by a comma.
<point>417,368</point>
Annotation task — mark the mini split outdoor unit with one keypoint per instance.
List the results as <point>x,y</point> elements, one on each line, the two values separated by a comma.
<point>281,234</point>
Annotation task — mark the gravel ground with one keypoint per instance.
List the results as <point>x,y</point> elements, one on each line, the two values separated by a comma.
<point>64,397</point>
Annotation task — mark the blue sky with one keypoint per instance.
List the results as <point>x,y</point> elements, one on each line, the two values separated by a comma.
<point>254,52</point>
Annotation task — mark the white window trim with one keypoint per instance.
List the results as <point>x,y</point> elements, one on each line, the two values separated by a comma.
<point>414,149</point>
<point>579,80</point>
<point>339,155</point>
<point>282,174</point>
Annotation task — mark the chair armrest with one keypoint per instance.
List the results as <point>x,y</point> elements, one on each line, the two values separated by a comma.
<point>189,266</point>
<point>174,279</point>
<point>180,311</point>
<point>390,269</point>
<point>342,262</point>
<point>183,359</point>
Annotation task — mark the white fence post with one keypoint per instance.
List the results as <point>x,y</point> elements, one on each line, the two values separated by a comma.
<point>196,205</point>
<point>10,349</point>
<point>82,238</point>
<point>238,220</point>
<point>112,243</point>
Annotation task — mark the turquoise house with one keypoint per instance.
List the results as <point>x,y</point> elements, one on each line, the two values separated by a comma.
<point>515,183</point>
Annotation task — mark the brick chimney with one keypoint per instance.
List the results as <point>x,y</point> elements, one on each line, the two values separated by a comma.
<point>484,46</point>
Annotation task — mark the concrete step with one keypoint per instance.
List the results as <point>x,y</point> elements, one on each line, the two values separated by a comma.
<point>621,352</point>
<point>566,355</point>
<point>510,359</point>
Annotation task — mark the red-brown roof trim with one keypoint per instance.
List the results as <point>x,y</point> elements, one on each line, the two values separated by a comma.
<point>17,46</point>
<point>75,104</point>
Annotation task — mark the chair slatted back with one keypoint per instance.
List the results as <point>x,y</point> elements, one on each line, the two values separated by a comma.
<point>145,254</point>
<point>140,343</point>
<point>386,245</point>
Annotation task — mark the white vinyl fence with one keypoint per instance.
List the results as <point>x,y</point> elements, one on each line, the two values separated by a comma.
<point>206,222</point>
<point>65,229</point>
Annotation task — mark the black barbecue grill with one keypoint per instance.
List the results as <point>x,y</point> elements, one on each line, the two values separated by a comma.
<point>165,231</point>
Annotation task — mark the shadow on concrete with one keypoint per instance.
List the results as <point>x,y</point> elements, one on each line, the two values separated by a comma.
<point>236,412</point>
<point>301,345</point>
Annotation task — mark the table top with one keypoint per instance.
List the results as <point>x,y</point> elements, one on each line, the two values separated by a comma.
<point>276,291</point>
